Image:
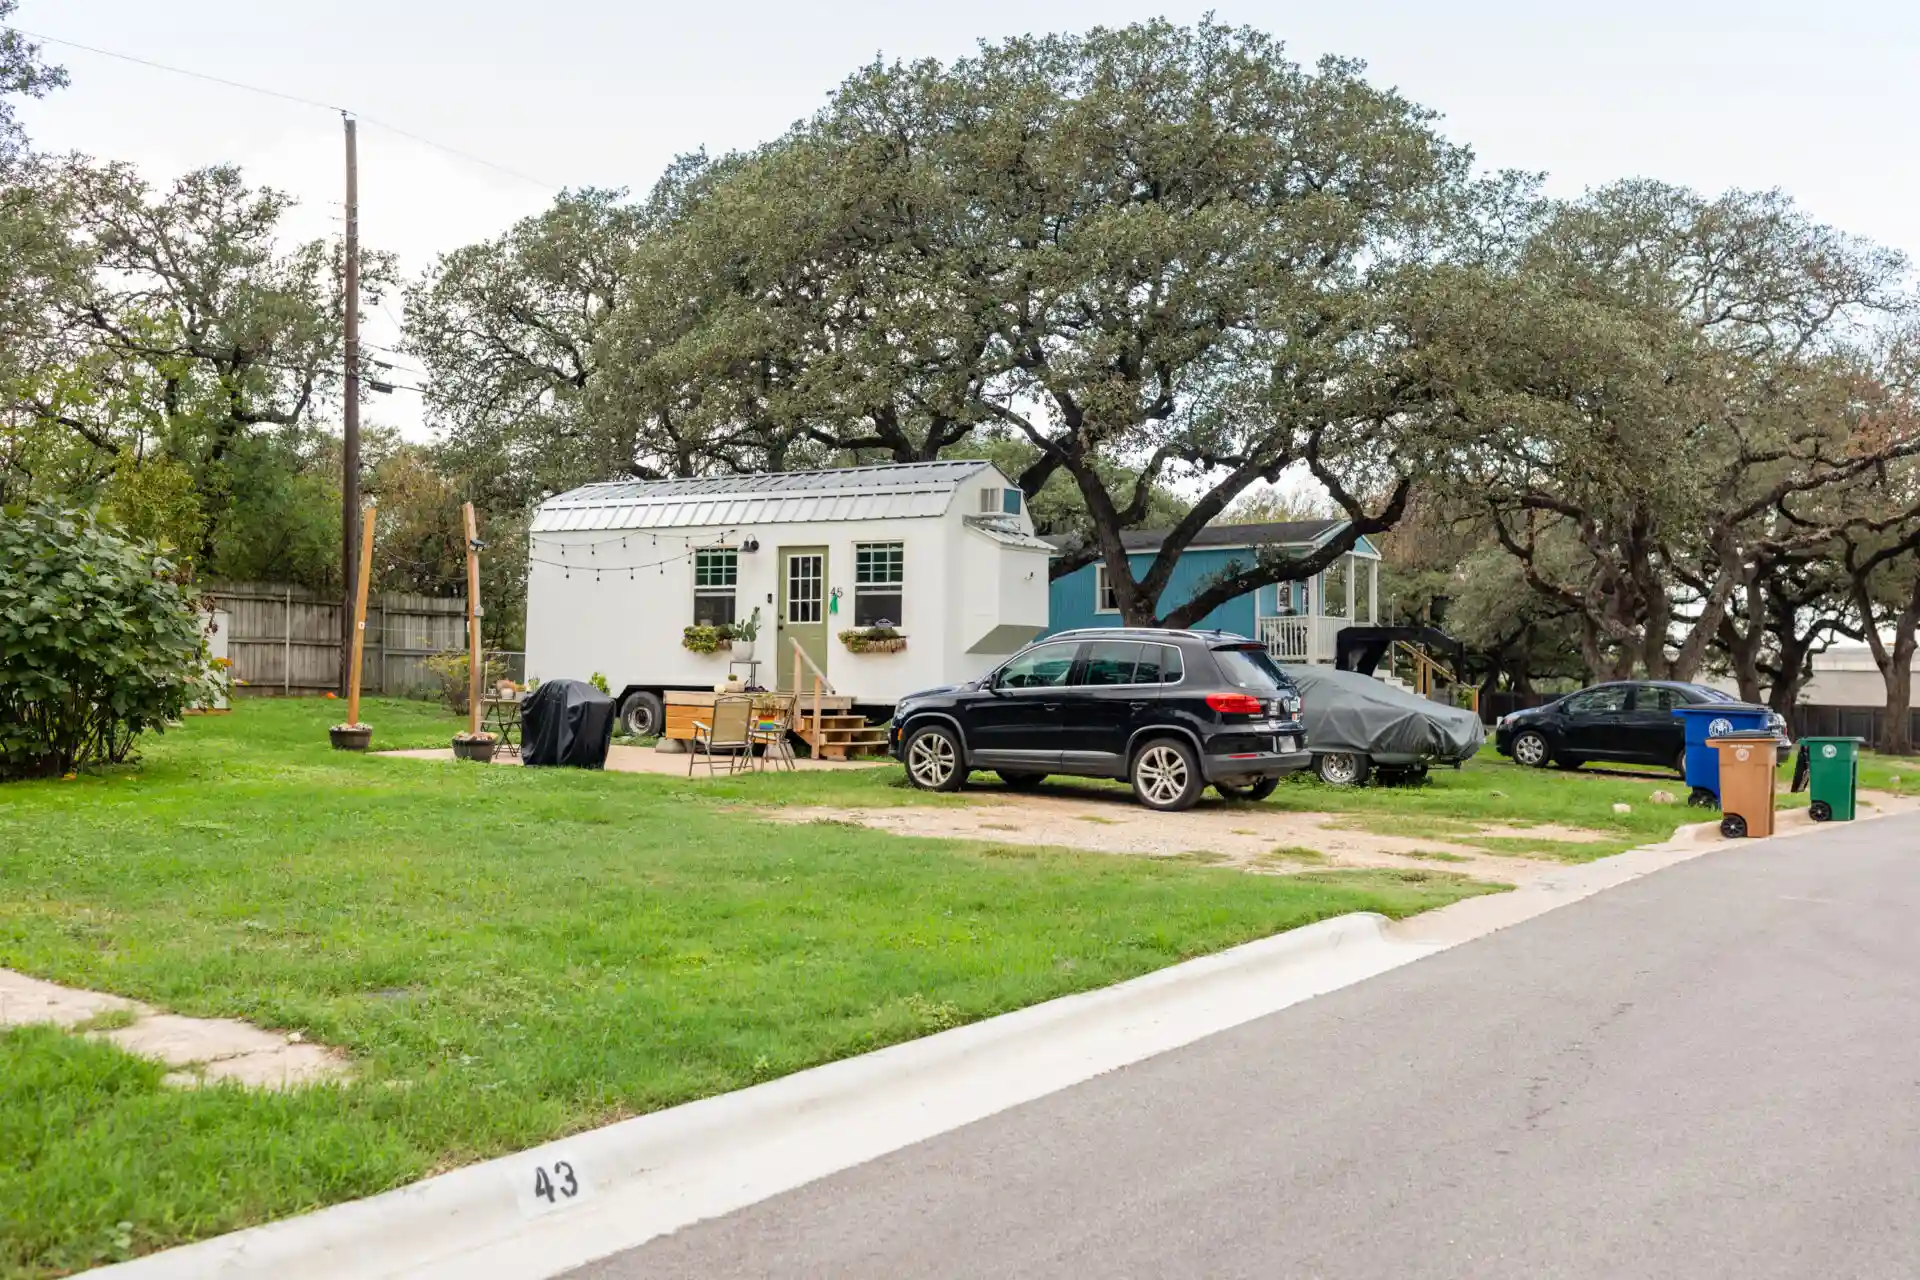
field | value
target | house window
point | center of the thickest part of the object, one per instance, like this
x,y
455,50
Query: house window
x,y
879,572
1104,599
716,572
1000,502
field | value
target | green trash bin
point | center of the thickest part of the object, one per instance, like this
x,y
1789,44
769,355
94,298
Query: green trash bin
x,y
1833,775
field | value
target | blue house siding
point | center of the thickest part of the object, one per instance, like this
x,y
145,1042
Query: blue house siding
x,y
1071,599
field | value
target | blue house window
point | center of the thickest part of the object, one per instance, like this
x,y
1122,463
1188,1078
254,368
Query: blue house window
x,y
1104,599
1010,501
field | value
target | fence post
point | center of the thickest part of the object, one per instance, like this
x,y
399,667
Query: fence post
x,y
286,652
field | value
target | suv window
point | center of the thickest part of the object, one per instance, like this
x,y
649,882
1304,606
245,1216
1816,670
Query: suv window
x,y
1045,667
1599,701
1654,697
1159,663
1113,662
1251,669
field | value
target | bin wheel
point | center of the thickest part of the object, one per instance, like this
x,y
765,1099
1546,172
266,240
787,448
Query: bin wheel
x,y
1733,826
1702,798
1820,811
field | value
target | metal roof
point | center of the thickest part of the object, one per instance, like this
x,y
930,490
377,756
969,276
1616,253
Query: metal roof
x,y
1007,531
890,492
1281,533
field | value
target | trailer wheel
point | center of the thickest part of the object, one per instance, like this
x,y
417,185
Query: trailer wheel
x,y
643,715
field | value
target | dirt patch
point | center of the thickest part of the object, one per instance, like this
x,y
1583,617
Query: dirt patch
x,y
1542,831
1265,841
199,1049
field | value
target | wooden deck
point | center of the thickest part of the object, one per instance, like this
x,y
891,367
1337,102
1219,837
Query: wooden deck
x,y
839,735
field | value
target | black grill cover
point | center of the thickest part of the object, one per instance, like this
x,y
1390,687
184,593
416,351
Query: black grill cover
x,y
566,722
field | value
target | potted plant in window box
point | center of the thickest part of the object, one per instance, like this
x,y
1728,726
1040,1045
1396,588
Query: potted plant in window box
x,y
744,633
477,747
876,639
702,639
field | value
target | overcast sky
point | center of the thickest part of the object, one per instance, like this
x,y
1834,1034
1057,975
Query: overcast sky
x,y
1818,99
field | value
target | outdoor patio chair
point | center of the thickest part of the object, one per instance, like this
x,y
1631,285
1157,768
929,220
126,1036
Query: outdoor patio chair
x,y
727,728
772,722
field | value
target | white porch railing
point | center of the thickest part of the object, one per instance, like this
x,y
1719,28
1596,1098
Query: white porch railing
x,y
1304,638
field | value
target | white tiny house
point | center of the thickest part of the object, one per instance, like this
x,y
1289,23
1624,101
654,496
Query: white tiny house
x,y
942,552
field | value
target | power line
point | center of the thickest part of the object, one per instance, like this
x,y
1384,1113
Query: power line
x,y
287,97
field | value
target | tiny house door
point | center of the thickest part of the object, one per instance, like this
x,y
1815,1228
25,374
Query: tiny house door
x,y
803,612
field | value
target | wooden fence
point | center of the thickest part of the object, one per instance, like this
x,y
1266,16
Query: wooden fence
x,y
286,640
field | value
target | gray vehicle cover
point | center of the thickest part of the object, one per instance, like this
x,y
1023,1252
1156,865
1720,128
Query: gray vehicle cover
x,y
1346,711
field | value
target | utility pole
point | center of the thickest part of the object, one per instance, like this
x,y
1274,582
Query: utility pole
x,y
350,418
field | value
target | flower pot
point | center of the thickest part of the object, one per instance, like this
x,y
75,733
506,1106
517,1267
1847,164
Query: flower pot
x,y
350,737
743,650
481,752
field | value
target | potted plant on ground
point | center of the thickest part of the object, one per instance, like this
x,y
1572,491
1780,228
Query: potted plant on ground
x,y
350,737
744,634
477,747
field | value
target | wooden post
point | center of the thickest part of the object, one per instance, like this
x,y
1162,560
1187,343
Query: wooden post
x,y
475,663
819,726
797,685
360,613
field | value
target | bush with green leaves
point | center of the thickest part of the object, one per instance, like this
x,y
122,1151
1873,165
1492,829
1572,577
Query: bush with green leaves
x,y
99,642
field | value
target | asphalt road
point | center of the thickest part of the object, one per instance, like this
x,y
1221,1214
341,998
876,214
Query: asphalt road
x,y
1713,1071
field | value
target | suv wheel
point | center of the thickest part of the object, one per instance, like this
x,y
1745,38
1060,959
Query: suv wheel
x,y
643,715
933,759
1530,749
1021,781
1256,789
1340,768
1166,775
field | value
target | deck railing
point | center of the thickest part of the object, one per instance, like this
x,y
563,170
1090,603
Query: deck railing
x,y
1300,637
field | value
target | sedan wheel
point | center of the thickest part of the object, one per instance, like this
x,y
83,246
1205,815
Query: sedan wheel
x,y
1166,775
933,759
1530,749
1340,768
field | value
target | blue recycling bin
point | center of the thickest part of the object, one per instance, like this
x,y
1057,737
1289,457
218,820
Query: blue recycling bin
x,y
1712,720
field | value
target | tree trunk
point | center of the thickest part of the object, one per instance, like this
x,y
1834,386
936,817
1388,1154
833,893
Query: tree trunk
x,y
1896,724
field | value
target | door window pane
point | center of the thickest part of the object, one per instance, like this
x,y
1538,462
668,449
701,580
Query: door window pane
x,y
1112,662
1043,668
805,588
1612,697
1653,697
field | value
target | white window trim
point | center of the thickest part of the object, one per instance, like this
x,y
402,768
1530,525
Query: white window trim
x,y
1100,591
710,591
896,588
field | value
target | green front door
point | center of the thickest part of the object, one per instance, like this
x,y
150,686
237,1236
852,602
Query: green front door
x,y
803,612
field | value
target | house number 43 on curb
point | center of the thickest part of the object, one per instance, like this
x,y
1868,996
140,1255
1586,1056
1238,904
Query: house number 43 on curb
x,y
549,1185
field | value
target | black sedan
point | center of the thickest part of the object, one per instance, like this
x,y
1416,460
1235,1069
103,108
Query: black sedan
x,y
1628,721
1168,711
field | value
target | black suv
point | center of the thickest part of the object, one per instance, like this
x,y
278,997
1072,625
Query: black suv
x,y
1169,711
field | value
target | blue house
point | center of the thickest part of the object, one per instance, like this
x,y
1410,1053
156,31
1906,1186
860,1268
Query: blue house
x,y
1297,621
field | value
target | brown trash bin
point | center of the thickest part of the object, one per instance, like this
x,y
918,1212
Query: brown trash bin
x,y
1747,763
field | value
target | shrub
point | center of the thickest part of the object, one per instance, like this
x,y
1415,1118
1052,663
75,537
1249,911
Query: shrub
x,y
451,668
98,642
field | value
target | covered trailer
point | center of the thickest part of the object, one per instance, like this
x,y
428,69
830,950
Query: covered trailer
x,y
941,553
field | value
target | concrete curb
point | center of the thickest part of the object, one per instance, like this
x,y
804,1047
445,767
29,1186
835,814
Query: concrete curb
x,y
568,1202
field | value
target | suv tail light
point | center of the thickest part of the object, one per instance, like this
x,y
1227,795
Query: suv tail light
x,y
1235,704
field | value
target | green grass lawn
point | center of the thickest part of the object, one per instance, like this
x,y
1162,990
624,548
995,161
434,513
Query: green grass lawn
x,y
508,955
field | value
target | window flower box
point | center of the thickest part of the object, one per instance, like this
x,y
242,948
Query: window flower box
x,y
873,640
